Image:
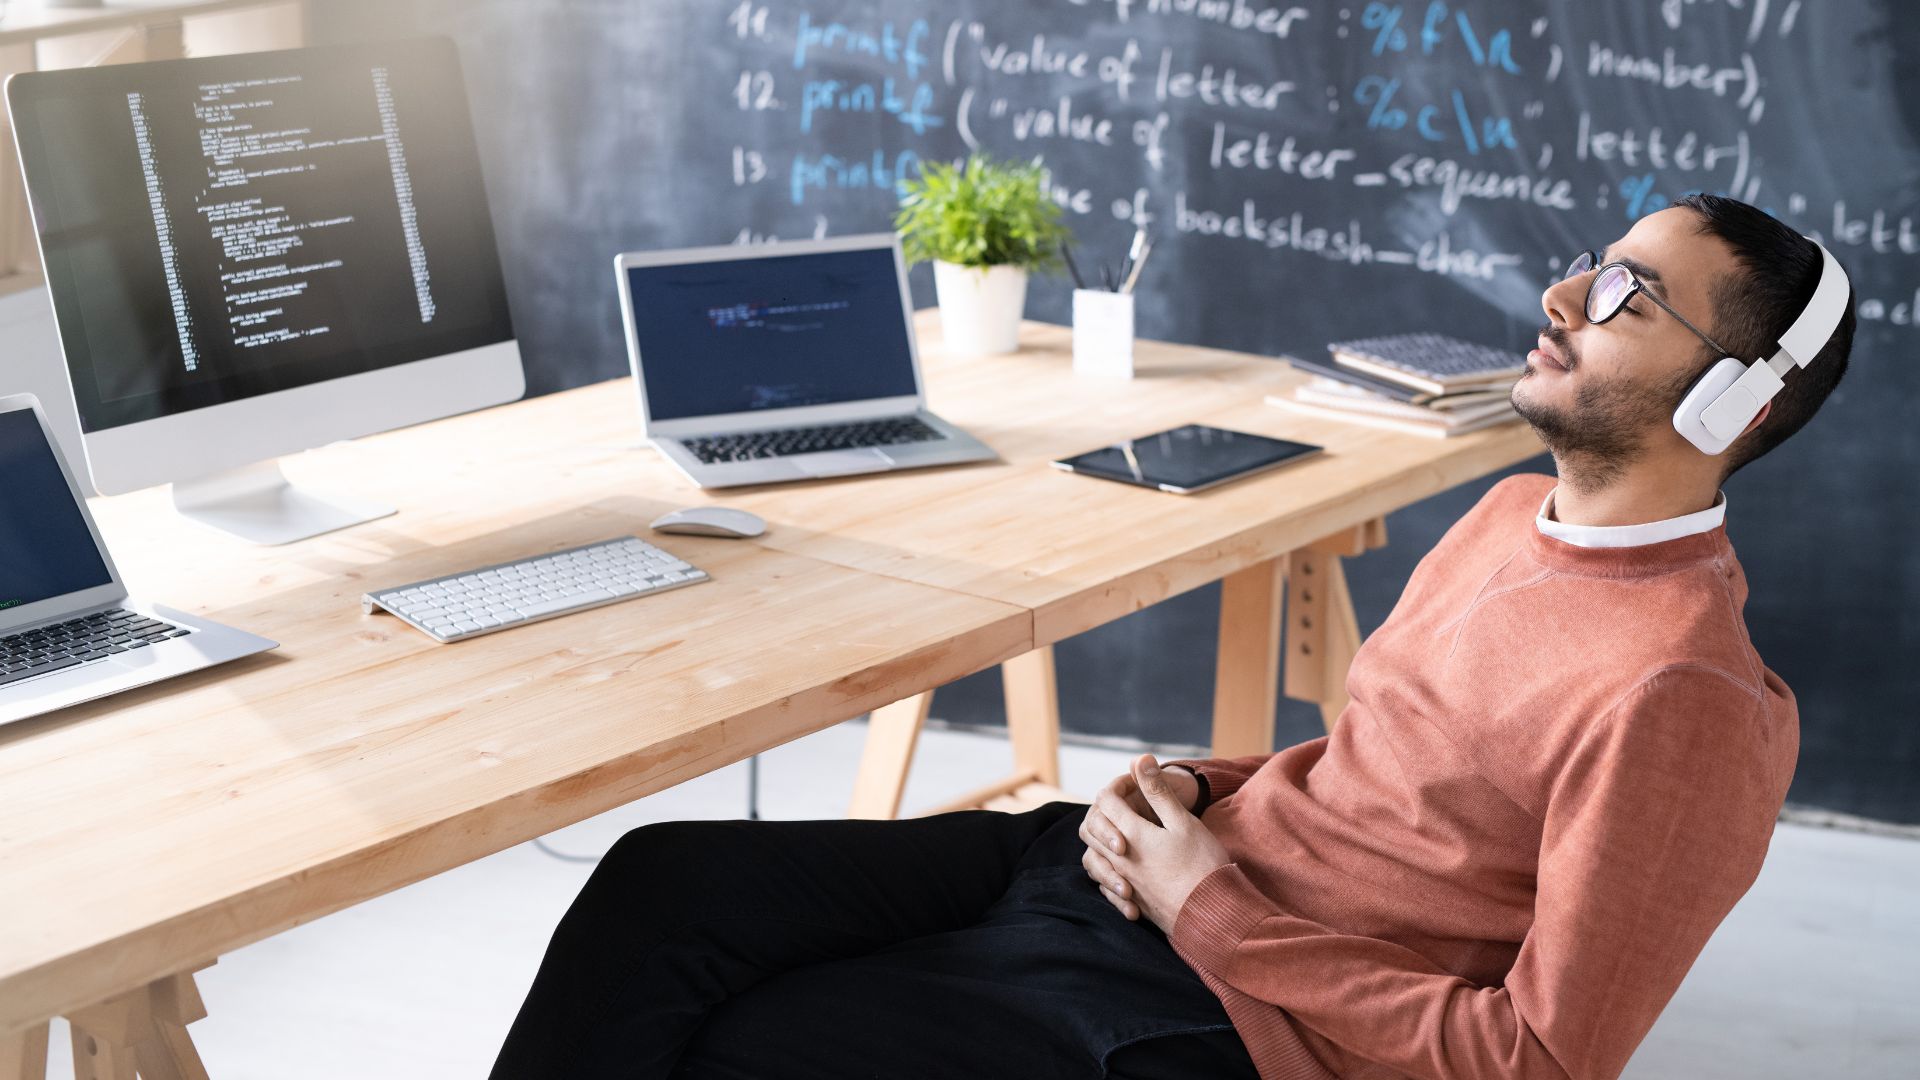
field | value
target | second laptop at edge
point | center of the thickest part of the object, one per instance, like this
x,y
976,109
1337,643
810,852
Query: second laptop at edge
x,y
782,361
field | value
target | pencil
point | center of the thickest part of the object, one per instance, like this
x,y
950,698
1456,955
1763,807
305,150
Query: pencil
x,y
1067,254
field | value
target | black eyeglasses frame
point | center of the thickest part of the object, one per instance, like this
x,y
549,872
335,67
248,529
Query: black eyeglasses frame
x,y
1635,287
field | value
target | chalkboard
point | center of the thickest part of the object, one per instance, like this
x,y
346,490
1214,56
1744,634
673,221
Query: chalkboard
x,y
1311,171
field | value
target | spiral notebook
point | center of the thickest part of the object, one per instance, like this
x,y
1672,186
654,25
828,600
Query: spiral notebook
x,y
1433,363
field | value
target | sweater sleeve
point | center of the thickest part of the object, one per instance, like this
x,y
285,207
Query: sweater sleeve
x,y
1221,777
1654,827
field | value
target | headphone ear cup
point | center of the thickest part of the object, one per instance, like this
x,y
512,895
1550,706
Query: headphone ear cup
x,y
1688,417
1705,374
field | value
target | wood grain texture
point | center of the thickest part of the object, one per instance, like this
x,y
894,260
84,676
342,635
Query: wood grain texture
x,y
1033,714
142,1031
1322,633
23,1055
1082,552
361,756
1246,685
893,731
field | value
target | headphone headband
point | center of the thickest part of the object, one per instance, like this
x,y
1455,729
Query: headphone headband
x,y
1821,317
1726,399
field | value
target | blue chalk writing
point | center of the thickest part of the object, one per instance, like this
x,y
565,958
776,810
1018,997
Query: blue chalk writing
x,y
1640,197
1377,91
834,95
1494,130
1384,21
889,44
830,171
1495,51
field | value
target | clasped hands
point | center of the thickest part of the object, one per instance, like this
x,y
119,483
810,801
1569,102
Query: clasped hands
x,y
1145,848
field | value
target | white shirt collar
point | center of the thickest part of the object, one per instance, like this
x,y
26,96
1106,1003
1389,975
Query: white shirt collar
x,y
1618,536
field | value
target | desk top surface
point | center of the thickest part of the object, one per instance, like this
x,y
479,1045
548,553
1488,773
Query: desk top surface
x,y
1077,550
142,834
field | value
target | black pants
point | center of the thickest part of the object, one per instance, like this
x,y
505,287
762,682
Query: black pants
x,y
966,945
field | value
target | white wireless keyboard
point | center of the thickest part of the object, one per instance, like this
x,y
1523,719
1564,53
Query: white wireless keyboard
x,y
495,597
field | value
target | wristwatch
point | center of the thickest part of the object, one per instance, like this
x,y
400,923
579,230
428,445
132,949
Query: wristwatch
x,y
1206,794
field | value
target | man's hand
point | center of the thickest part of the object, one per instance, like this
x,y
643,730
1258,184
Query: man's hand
x,y
1148,855
1127,788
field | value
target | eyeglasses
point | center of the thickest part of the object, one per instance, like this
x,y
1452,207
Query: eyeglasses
x,y
1614,285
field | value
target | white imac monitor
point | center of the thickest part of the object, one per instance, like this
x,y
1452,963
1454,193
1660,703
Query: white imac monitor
x,y
254,255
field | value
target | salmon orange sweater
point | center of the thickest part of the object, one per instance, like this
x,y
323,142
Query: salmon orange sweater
x,y
1559,770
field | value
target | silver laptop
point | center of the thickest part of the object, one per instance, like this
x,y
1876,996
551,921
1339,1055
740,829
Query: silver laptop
x,y
68,631
782,361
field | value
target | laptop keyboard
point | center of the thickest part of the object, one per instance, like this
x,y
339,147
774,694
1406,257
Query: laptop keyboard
x,y
45,649
786,442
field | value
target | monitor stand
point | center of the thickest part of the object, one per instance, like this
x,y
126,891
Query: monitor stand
x,y
257,504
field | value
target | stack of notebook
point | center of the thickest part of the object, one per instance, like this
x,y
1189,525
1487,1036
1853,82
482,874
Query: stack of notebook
x,y
1421,383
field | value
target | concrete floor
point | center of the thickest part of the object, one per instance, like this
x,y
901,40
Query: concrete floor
x,y
1816,973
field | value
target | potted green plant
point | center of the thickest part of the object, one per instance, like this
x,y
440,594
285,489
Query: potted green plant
x,y
984,224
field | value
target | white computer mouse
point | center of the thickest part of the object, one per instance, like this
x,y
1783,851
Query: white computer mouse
x,y
711,521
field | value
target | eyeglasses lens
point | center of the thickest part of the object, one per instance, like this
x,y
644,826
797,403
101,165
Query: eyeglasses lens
x,y
1581,263
1608,292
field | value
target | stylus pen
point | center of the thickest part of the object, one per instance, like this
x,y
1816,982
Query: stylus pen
x,y
1127,286
1067,254
1134,251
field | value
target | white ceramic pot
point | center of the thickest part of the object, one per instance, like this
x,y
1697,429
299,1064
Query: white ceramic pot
x,y
980,307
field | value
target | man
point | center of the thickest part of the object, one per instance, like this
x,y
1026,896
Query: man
x,y
1559,770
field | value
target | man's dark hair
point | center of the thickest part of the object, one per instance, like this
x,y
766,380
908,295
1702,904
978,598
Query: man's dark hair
x,y
1777,272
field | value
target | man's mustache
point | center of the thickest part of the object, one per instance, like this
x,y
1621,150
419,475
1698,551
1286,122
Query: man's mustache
x,y
1562,344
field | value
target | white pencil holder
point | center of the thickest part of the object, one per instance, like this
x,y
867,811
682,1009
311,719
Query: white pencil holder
x,y
1103,333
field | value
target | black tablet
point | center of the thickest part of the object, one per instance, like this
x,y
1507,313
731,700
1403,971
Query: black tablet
x,y
1187,459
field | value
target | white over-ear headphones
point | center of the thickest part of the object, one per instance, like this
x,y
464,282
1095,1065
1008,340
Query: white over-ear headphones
x,y
1727,398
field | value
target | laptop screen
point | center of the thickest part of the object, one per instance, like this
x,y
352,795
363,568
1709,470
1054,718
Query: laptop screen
x,y
773,332
46,549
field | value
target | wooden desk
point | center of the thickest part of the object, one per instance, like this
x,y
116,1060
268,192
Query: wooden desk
x,y
1080,552
146,835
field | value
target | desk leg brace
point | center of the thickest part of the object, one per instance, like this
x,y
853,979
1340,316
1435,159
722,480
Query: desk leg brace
x,y
1323,633
1033,727
1320,634
1247,670
24,1056
1033,715
142,1032
1323,637
892,733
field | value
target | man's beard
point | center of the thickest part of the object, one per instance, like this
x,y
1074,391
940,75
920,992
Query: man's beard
x,y
1594,440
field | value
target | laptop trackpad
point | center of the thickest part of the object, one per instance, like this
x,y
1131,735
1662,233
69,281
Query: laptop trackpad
x,y
840,462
